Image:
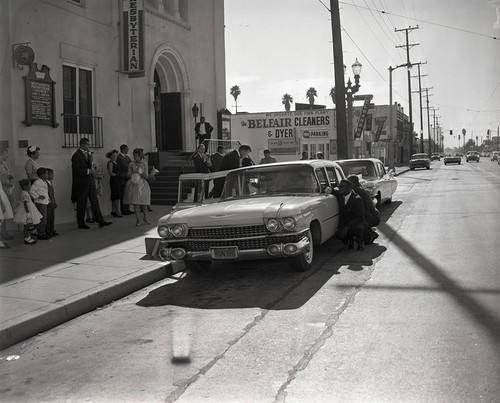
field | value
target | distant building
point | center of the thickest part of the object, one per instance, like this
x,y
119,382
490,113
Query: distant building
x,y
124,71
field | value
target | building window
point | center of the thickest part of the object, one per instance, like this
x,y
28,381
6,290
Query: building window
x,y
78,107
77,2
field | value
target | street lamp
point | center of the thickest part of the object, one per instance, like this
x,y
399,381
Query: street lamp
x,y
350,90
195,111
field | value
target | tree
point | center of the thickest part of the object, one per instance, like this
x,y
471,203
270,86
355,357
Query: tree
x,y
286,100
235,92
311,93
332,94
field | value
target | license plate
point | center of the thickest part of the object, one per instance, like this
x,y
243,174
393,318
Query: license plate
x,y
224,253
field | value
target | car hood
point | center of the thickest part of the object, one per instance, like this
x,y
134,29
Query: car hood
x,y
242,211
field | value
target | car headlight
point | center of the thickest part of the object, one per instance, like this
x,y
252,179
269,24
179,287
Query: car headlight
x,y
289,223
273,225
178,230
163,231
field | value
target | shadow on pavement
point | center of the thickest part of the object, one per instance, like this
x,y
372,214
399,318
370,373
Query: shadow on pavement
x,y
461,295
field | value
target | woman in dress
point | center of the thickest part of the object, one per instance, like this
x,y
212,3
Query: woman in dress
x,y
114,183
137,191
31,164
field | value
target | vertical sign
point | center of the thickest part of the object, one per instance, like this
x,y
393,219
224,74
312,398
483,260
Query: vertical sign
x,y
380,121
133,37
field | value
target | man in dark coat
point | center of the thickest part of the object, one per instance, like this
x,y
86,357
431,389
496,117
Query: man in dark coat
x,y
203,130
372,215
352,221
216,158
84,188
232,160
123,161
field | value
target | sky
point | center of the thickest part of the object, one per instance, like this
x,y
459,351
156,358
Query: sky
x,y
275,47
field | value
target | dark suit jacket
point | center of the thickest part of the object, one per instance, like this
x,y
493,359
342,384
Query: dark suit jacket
x,y
352,212
123,162
372,215
208,129
216,161
230,161
82,180
200,165
247,162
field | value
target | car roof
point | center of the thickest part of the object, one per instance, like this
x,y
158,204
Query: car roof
x,y
358,159
315,163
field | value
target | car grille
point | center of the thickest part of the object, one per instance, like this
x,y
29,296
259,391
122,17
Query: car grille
x,y
242,244
227,232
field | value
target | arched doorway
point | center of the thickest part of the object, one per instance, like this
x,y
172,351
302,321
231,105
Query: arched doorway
x,y
169,89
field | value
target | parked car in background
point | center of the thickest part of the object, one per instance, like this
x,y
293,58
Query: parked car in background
x,y
472,156
280,210
374,177
420,161
435,156
494,155
452,159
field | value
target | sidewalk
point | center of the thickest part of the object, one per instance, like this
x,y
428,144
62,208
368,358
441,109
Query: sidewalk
x,y
44,285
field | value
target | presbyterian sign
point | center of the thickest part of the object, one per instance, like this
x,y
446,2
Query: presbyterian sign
x,y
133,37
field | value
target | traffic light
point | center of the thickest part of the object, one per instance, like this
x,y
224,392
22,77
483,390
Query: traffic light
x,y
451,132
488,134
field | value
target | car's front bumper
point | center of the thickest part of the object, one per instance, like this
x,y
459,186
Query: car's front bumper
x,y
167,250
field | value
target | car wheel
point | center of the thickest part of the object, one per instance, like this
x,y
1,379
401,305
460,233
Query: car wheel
x,y
412,169
198,266
445,163
459,162
427,167
303,262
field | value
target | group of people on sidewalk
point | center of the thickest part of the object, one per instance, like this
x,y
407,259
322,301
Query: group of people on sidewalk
x,y
35,206
35,209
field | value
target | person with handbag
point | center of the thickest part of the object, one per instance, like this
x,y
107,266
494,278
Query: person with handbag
x,y
27,213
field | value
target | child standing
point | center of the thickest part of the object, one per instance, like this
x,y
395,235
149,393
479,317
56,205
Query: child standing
x,y
5,214
26,213
51,214
40,193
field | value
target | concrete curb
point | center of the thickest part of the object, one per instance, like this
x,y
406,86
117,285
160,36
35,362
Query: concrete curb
x,y
55,314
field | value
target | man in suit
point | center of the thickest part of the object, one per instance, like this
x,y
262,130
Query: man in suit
x,y
203,130
84,188
123,160
232,160
352,221
216,158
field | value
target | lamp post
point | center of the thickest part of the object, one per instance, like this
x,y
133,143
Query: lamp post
x,y
350,90
391,123
195,111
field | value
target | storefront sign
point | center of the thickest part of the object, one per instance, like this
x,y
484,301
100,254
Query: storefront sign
x,y
40,97
362,119
133,37
380,121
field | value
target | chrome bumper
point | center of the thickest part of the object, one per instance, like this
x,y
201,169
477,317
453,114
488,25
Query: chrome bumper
x,y
157,247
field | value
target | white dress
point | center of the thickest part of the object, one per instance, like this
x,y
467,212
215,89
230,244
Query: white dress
x,y
20,214
6,203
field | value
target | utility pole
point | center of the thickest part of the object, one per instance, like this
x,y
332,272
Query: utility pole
x,y
428,119
340,100
420,97
434,131
407,46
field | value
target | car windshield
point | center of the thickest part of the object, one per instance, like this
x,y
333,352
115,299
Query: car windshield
x,y
270,181
416,156
363,168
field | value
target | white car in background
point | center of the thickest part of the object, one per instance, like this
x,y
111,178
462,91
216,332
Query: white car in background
x,y
374,177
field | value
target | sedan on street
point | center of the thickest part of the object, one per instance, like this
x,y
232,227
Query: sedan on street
x,y
374,176
420,161
472,156
280,210
494,155
435,157
452,159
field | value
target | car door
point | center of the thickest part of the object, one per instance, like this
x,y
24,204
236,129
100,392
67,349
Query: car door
x,y
328,212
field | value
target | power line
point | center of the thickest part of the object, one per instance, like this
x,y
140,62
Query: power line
x,y
429,22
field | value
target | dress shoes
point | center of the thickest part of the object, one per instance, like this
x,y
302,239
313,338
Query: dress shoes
x,y
116,215
104,224
83,226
